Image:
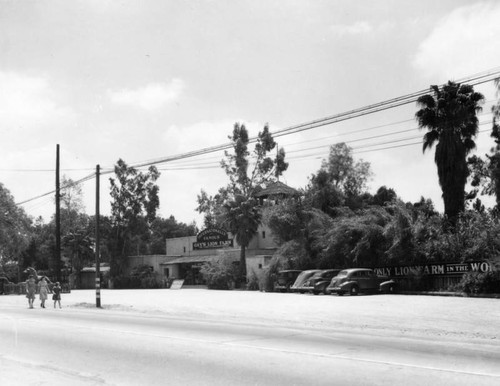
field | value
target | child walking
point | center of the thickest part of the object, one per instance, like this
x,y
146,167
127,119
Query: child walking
x,y
56,297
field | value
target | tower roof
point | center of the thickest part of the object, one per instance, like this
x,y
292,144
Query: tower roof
x,y
278,189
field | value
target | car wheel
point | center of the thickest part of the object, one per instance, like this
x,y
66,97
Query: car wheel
x,y
326,292
391,289
316,292
340,293
354,290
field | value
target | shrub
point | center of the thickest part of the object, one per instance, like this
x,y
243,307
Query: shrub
x,y
126,282
253,282
220,273
418,281
479,282
152,281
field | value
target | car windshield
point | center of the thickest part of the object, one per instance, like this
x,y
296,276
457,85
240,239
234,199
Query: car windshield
x,y
342,274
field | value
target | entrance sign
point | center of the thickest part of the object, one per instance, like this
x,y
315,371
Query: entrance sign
x,y
212,238
177,284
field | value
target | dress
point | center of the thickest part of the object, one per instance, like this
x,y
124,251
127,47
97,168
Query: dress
x,y
30,288
57,293
44,290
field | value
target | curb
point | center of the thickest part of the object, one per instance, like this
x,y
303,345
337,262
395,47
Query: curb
x,y
451,294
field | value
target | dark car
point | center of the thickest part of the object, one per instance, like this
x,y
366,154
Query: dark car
x,y
301,279
318,282
285,280
356,280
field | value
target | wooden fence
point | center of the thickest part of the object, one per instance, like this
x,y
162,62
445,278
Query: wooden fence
x,y
20,288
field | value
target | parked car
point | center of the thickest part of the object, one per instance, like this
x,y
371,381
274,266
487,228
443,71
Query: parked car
x,y
356,280
285,280
318,282
301,279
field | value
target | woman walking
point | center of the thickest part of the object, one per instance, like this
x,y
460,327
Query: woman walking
x,y
44,290
30,290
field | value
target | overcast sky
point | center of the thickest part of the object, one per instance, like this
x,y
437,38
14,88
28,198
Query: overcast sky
x,y
142,80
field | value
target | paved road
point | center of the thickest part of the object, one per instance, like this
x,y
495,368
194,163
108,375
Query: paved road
x,y
103,347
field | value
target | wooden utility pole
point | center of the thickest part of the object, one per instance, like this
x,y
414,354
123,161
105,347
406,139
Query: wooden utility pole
x,y
97,240
57,258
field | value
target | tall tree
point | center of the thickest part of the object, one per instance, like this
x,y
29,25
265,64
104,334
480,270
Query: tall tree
x,y
133,208
449,114
162,229
486,172
248,173
72,207
14,228
340,181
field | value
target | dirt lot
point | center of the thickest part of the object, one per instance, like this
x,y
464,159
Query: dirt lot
x,y
472,320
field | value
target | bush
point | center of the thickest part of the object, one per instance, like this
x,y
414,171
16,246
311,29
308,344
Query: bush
x,y
135,282
126,282
220,273
418,281
253,282
480,283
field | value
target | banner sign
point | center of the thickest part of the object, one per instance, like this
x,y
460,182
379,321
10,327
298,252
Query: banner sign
x,y
211,238
435,269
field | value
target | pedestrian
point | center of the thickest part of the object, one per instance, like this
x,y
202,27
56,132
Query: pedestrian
x,y
30,290
44,290
57,294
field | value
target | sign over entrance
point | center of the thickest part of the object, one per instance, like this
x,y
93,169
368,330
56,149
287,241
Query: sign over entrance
x,y
212,238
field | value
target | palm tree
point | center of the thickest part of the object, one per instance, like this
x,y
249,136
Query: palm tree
x,y
450,116
243,218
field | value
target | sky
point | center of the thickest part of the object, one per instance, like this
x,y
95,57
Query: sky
x,y
148,80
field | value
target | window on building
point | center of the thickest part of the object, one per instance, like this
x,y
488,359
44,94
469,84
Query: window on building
x,y
184,249
260,266
263,234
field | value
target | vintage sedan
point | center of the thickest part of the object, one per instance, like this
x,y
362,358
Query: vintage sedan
x,y
301,279
356,280
285,280
318,282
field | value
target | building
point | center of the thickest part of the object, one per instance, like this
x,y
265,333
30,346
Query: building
x,y
185,255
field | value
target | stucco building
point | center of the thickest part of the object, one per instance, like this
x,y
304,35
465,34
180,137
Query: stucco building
x,y
185,255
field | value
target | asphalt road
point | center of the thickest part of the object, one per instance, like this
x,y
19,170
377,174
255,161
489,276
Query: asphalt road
x,y
106,347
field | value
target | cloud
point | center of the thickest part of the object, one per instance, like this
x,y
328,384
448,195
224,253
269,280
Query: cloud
x,y
29,102
358,28
150,97
463,43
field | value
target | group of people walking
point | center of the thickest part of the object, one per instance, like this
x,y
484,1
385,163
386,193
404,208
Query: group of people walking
x,y
44,291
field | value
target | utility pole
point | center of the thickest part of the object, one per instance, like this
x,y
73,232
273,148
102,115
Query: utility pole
x,y
97,240
57,258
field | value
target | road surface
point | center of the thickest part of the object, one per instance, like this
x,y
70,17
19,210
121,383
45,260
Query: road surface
x,y
86,346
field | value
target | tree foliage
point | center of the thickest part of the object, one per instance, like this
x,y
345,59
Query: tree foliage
x,y
235,206
450,116
340,181
486,172
164,228
15,228
133,208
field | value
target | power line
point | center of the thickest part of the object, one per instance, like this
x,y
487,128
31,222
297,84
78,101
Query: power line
x,y
80,181
479,78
